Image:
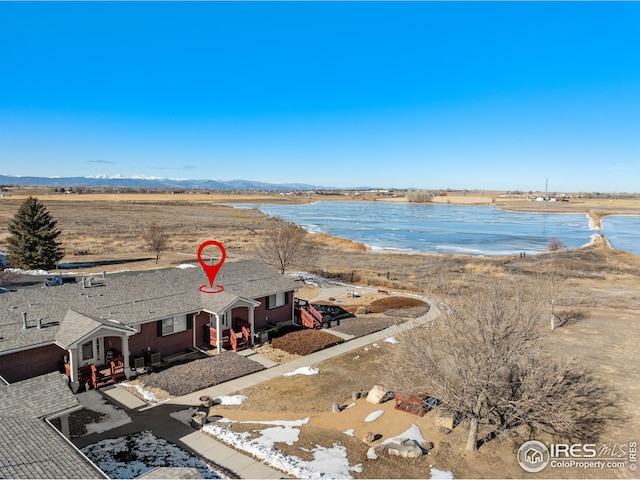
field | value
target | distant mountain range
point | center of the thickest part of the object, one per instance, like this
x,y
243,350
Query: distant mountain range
x,y
153,182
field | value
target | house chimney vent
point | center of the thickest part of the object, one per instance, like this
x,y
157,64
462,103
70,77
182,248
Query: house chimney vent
x,y
24,320
39,324
104,274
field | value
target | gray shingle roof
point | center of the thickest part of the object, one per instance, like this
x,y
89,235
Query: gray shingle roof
x,y
129,299
29,448
37,397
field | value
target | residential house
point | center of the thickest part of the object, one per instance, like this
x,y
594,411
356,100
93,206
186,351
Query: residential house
x,y
124,321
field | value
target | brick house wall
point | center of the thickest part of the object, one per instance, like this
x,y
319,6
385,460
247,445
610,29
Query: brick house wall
x,y
18,366
165,345
276,315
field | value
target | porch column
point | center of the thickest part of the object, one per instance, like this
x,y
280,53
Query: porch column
x,y
218,333
125,354
251,324
73,367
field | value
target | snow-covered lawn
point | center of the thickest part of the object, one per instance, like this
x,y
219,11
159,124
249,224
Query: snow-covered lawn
x,y
328,462
136,454
230,399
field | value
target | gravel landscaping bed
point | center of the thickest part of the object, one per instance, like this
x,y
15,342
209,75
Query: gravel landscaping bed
x,y
199,374
305,342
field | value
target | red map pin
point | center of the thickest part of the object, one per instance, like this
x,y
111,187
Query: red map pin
x,y
211,270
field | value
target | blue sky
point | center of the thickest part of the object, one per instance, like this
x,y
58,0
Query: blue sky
x,y
426,95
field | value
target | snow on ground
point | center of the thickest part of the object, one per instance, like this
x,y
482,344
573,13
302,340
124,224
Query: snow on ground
x,y
440,474
303,371
185,265
373,416
149,397
391,340
351,432
112,417
134,455
230,399
350,405
412,433
27,272
315,280
375,345
327,463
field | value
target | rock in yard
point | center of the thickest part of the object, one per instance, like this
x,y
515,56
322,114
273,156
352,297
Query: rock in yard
x,y
369,437
376,394
404,447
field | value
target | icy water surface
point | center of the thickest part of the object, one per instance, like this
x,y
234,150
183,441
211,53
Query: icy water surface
x,y
473,230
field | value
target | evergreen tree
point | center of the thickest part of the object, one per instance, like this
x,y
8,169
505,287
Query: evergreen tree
x,y
33,242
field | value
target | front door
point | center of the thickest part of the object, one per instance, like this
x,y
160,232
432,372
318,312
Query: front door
x,y
92,352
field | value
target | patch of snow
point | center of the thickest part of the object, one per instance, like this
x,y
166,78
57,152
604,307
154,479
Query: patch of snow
x,y
356,357
351,432
185,265
134,455
350,405
271,435
27,272
112,417
412,433
366,349
231,399
303,371
371,454
315,280
327,463
150,397
441,474
281,423
391,340
373,416
376,345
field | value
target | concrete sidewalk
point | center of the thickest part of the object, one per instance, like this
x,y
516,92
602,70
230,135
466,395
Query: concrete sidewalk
x,y
157,418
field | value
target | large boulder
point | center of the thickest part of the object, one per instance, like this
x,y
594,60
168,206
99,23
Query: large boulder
x,y
376,394
404,447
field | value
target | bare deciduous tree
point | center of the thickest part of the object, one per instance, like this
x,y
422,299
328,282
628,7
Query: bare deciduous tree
x,y
481,359
283,246
157,239
556,245
8,277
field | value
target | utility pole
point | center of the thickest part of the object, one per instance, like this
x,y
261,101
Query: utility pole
x,y
546,189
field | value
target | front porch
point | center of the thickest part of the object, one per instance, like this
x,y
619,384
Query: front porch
x,y
236,338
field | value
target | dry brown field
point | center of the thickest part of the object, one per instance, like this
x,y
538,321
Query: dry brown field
x,y
603,284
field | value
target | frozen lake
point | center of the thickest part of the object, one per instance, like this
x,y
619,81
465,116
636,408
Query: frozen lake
x,y
473,230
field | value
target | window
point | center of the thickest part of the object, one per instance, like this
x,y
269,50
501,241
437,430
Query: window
x,y
87,350
277,300
224,320
174,324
